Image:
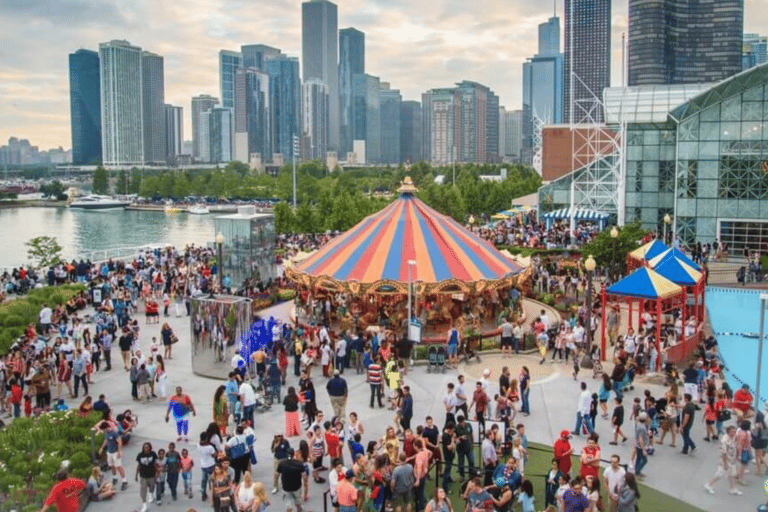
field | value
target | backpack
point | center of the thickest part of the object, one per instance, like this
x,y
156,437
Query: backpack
x,y
238,450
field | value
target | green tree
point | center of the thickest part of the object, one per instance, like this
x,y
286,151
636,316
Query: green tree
x,y
284,219
611,252
134,187
238,167
44,250
54,190
100,184
122,182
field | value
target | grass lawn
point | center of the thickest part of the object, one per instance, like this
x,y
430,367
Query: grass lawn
x,y
539,460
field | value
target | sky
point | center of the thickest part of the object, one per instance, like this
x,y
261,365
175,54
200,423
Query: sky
x,y
415,46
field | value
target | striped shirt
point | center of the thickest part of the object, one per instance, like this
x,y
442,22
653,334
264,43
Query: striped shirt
x,y
374,373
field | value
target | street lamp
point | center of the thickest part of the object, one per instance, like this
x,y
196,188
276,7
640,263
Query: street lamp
x,y
408,323
763,303
614,258
219,244
589,265
667,222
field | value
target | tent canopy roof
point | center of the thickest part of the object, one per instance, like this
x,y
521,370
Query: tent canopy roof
x,y
645,283
678,271
649,250
579,214
674,252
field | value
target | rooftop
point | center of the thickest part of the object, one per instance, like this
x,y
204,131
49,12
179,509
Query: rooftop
x,y
647,104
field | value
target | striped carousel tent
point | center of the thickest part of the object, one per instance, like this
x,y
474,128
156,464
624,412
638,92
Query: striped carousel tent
x,y
374,255
579,215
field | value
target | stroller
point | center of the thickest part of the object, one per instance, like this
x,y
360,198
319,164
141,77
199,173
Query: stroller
x,y
441,359
432,356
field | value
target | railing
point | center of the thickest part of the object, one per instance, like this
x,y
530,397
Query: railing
x,y
114,253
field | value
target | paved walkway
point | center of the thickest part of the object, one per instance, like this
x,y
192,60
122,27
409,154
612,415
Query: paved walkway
x,y
553,402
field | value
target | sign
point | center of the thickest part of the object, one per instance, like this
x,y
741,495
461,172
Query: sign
x,y
414,331
97,295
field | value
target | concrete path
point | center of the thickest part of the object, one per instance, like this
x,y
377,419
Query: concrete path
x,y
553,403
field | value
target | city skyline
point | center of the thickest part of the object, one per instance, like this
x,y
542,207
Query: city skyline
x,y
413,47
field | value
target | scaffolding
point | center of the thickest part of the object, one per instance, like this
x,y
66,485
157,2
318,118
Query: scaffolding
x,y
538,141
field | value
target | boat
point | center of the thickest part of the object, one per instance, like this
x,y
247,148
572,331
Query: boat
x,y
198,209
171,209
97,202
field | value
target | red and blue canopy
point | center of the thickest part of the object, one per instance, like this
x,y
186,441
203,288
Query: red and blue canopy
x,y
379,247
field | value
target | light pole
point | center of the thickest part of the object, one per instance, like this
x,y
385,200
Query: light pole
x,y
667,222
763,303
295,156
589,265
219,244
616,263
408,323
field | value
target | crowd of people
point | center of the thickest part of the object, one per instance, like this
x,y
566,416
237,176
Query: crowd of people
x,y
527,231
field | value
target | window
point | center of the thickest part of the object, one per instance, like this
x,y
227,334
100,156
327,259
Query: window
x,y
639,177
666,176
688,176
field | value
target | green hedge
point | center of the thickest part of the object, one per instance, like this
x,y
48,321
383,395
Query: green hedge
x,y
527,251
32,451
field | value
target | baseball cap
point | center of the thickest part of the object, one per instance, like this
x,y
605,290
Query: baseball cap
x,y
565,433
377,476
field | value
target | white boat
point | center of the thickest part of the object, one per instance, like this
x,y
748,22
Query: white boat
x,y
96,202
198,209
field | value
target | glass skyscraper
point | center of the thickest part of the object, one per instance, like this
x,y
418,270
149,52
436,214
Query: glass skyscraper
x,y
588,43
410,132
256,55
351,62
200,104
229,62
252,115
366,114
314,119
684,42
390,101
285,103
153,99
85,107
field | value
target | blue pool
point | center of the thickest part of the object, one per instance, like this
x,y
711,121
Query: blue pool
x,y
735,311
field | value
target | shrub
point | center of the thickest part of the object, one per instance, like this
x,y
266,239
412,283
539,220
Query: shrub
x,y
286,294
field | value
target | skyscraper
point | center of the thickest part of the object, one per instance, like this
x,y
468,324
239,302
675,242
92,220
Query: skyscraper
x,y
473,114
351,62
252,115
492,140
514,134
684,41
174,132
543,84
320,40
217,125
410,132
200,104
256,55
229,62
390,101
366,115
588,43
153,99
285,103
755,50
122,127
441,122
85,107
314,119
503,143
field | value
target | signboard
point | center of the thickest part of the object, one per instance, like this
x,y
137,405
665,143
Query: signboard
x,y
414,331
97,295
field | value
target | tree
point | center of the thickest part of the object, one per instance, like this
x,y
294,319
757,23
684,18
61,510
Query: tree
x,y
100,183
238,167
134,187
54,190
44,250
284,220
610,252
122,182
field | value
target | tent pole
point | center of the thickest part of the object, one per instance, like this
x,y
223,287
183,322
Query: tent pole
x,y
658,335
603,301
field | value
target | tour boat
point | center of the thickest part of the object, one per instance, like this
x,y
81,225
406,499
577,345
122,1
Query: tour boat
x,y
198,209
97,202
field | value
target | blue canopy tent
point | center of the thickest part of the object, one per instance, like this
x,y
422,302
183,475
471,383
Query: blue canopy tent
x,y
674,252
579,214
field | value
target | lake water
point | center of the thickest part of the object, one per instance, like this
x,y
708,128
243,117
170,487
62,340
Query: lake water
x,y
79,231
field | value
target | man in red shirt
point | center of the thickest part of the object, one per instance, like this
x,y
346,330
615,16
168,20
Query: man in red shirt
x,y
742,401
590,458
480,402
563,452
65,494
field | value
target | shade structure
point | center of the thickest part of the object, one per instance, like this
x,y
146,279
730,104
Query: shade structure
x,y
649,250
674,252
579,215
678,271
374,254
645,283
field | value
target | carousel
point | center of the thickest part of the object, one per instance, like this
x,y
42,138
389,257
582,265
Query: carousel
x,y
408,249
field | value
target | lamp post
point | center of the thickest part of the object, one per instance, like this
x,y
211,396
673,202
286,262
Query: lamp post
x,y
295,157
763,303
589,265
614,266
408,323
219,244
667,222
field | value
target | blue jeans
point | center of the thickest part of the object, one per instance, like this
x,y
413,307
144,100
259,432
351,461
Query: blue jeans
x,y
587,421
470,455
449,456
205,472
173,481
641,459
526,405
248,413
351,508
687,441
617,390
516,344
340,364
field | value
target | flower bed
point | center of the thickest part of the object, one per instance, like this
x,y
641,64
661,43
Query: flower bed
x,y
33,449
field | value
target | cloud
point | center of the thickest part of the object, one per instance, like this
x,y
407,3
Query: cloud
x,y
413,45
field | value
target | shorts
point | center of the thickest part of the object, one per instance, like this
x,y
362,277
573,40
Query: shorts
x,y
113,460
452,350
402,499
317,463
730,472
710,422
506,341
292,499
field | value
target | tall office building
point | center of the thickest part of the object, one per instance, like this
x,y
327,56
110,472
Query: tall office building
x,y
754,51
410,132
543,84
390,102
252,115
153,99
285,103
85,107
471,145
216,125
200,104
684,41
588,43
492,137
229,62
174,132
514,134
366,115
441,123
122,127
256,55
319,19
314,120
351,62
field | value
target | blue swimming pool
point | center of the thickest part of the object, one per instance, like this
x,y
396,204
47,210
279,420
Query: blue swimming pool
x,y
733,311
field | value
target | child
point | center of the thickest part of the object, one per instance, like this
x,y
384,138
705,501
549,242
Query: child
x,y
61,406
160,475
525,498
519,453
27,406
16,396
617,420
561,490
636,409
172,467
593,410
710,416
186,471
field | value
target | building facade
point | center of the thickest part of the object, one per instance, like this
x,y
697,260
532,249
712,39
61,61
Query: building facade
x,y
754,51
441,124
229,63
252,115
219,128
121,88
587,59
351,63
314,119
256,55
684,42
174,133
85,107
513,131
366,115
410,132
285,104
320,42
390,103
200,104
153,99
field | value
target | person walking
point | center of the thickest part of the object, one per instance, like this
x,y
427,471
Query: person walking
x,y
375,381
172,469
728,464
280,448
80,372
582,413
207,457
642,442
181,405
686,422
613,480
146,470
464,445
113,445
65,494
291,473
291,405
337,391
406,410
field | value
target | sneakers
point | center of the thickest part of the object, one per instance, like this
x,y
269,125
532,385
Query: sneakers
x,y
124,486
144,507
274,490
709,489
735,492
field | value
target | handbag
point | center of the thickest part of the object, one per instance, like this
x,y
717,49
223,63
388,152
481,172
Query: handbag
x,y
586,361
745,456
723,415
174,339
